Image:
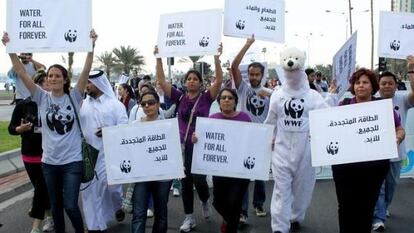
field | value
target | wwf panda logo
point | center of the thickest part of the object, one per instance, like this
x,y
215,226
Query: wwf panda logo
x,y
240,24
332,148
60,120
294,108
395,45
249,162
255,104
204,41
125,166
71,36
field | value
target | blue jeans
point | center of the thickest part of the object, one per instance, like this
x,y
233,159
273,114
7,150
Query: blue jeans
x,y
159,191
259,196
63,182
387,192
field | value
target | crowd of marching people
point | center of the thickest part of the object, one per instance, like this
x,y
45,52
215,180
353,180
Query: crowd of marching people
x,y
53,119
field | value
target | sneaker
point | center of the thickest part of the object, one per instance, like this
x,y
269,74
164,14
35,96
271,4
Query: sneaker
x,y
205,209
295,227
388,214
36,230
188,224
243,219
120,215
150,213
260,211
48,224
176,192
223,227
378,227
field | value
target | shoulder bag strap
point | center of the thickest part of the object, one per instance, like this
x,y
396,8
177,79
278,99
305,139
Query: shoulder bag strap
x,y
76,116
191,118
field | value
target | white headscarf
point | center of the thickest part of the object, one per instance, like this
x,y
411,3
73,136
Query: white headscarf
x,y
99,79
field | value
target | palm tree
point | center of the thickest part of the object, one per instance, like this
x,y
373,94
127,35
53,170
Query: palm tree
x,y
70,63
128,58
108,61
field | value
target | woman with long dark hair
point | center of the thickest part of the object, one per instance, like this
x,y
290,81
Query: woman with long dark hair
x,y
127,96
191,104
62,154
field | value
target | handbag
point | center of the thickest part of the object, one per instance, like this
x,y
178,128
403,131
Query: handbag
x,y
188,128
89,153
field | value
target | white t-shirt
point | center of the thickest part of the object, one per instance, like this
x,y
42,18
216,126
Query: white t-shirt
x,y
250,103
61,140
401,106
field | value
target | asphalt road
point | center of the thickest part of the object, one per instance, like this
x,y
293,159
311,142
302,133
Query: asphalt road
x,y
321,216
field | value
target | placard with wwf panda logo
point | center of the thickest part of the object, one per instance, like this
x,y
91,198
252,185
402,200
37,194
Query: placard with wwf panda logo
x,y
143,151
263,18
195,33
396,35
49,26
232,149
353,133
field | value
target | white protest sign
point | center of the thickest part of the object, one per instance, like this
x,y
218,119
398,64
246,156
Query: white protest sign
x,y
396,35
143,151
244,71
263,18
195,33
353,133
49,25
344,65
231,149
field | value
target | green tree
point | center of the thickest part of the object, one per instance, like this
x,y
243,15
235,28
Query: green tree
x,y
70,64
108,62
194,60
128,58
326,70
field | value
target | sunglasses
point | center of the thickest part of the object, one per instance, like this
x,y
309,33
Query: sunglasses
x,y
148,102
224,97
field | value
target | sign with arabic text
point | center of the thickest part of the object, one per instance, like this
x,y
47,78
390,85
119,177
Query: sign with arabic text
x,y
49,25
263,18
224,148
396,35
353,133
143,151
344,65
195,33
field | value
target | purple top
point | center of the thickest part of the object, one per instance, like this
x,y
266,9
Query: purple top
x,y
397,119
184,111
242,116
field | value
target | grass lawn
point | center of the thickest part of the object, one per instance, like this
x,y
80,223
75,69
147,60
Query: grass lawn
x,y
7,141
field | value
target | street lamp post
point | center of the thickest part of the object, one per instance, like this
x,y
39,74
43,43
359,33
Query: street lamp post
x,y
346,21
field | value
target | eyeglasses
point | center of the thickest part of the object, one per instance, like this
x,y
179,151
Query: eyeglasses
x,y
148,102
224,97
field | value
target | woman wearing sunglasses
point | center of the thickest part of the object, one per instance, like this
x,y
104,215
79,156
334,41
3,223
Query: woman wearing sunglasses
x,y
150,102
191,104
228,192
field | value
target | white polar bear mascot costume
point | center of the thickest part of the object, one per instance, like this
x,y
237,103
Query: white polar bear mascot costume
x,y
291,160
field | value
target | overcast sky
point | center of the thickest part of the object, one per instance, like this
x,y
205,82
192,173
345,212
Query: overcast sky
x,y
135,23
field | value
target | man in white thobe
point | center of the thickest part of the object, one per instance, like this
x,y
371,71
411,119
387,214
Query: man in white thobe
x,y
100,201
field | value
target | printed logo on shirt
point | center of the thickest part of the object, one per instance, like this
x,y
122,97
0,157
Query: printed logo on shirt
x,y
59,119
294,109
255,104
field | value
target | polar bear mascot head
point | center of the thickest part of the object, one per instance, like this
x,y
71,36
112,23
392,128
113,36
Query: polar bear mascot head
x,y
293,62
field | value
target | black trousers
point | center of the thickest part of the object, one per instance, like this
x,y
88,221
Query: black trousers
x,y
199,182
40,202
357,189
228,196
